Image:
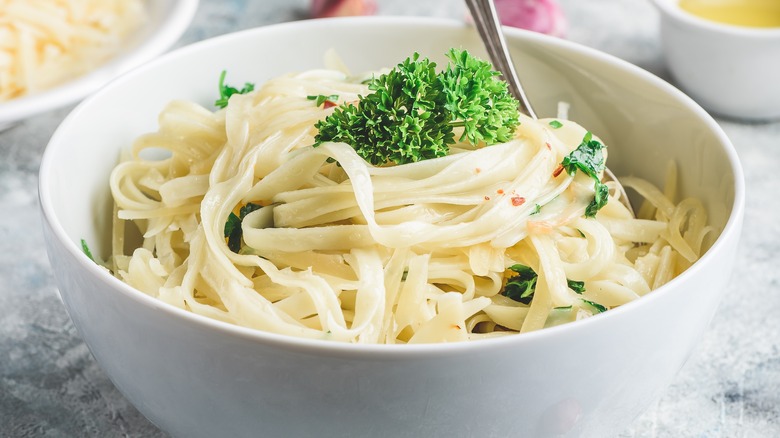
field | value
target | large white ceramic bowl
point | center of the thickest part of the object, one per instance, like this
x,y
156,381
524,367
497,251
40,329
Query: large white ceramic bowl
x,y
167,20
730,70
196,377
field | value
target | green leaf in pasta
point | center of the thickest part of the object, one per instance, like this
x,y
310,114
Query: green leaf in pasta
x,y
521,287
233,230
588,158
576,286
225,91
322,100
593,307
85,249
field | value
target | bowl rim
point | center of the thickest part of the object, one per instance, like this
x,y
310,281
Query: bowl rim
x,y
317,346
672,9
171,28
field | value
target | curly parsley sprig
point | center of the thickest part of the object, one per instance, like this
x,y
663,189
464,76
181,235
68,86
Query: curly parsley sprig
x,y
399,122
478,100
412,110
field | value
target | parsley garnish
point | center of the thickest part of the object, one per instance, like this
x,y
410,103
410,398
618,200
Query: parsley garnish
x,y
412,110
600,198
556,124
589,158
537,209
521,287
595,307
576,286
478,100
233,230
85,249
225,91
321,98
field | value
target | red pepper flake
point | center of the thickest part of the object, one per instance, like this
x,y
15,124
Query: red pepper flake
x,y
518,201
558,170
329,104
549,147
500,191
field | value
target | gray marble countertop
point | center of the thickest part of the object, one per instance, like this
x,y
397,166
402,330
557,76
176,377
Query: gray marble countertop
x,y
51,386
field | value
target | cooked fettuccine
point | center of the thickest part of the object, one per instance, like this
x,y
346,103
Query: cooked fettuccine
x,y
332,247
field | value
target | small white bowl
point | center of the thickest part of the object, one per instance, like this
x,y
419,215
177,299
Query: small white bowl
x,y
167,20
197,377
730,70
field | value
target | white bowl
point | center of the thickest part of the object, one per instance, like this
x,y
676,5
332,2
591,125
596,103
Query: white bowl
x,y
730,70
167,21
193,376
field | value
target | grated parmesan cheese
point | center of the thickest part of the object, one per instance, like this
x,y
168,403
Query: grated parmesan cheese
x,y
46,42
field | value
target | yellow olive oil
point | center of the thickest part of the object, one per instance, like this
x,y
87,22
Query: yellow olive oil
x,y
750,13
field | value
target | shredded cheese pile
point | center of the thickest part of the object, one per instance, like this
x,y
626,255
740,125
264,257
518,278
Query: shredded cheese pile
x,y
46,42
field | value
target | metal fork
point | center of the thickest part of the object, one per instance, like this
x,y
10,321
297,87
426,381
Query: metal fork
x,y
489,28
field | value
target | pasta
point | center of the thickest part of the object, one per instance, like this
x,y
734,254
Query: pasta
x,y
46,42
338,249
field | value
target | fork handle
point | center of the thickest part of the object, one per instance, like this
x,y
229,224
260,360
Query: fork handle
x,y
489,28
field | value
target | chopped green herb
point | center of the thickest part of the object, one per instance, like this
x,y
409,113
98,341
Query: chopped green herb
x,y
232,227
412,110
233,230
225,91
555,124
248,208
576,286
600,198
560,315
521,287
537,209
594,307
321,99
85,249
589,159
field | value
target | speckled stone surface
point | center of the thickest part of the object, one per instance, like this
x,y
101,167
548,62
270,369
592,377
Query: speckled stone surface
x,y
51,386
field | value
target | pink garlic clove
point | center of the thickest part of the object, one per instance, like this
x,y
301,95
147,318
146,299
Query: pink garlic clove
x,y
341,8
544,16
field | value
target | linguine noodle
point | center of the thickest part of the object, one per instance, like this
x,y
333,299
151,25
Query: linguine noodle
x,y
343,250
